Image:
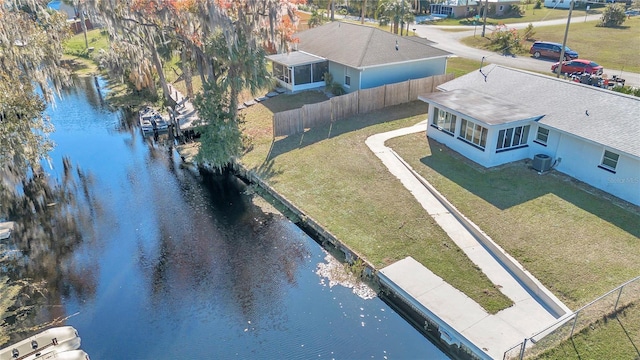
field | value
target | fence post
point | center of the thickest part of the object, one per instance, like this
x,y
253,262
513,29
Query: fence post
x,y
575,320
615,308
524,346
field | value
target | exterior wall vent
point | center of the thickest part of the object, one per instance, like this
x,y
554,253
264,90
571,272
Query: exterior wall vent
x,y
541,162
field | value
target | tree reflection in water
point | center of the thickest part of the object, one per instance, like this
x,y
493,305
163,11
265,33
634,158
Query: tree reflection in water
x,y
221,253
37,264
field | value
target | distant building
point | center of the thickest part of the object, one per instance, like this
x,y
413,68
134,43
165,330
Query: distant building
x,y
463,8
357,56
73,17
60,6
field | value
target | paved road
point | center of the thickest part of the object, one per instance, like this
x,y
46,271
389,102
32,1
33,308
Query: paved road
x,y
449,41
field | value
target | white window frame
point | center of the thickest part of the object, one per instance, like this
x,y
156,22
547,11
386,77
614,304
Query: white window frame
x,y
609,160
510,138
444,120
473,133
541,137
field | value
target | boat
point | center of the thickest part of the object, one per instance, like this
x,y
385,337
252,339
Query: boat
x,y
49,342
66,355
159,123
145,117
5,229
151,120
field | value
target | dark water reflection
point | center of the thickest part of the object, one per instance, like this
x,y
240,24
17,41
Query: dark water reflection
x,y
167,264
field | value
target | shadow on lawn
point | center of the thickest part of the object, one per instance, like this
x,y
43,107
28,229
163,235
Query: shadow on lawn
x,y
361,121
516,183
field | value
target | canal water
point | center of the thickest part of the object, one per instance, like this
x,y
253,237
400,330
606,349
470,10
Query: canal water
x,y
169,264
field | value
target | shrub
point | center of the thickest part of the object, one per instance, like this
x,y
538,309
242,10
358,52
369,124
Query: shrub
x,y
516,10
328,80
627,90
506,40
538,4
529,32
612,16
337,89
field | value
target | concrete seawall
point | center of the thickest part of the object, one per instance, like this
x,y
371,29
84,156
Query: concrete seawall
x,y
424,321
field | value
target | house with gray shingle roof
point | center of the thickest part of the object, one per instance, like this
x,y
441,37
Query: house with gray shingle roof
x,y
500,115
358,57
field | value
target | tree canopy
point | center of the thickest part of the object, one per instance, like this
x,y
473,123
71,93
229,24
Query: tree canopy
x,y
224,41
30,74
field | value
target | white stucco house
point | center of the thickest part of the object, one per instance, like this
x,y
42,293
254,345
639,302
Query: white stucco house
x,y
358,57
462,8
499,115
579,4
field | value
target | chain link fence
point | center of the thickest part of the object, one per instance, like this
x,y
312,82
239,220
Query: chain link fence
x,y
595,314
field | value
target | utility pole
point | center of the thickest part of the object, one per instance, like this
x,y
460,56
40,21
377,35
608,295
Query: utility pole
x,y
364,8
402,19
486,10
564,42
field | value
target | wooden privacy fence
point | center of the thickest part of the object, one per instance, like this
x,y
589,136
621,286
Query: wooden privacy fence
x,y
362,101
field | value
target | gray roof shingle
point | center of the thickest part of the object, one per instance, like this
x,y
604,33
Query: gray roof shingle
x,y
361,46
482,107
602,116
295,58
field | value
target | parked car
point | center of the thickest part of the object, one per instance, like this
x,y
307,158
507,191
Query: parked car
x,y
579,66
551,50
632,12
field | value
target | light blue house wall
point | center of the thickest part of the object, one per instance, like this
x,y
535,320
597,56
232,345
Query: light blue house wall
x,y
452,141
340,73
571,155
581,159
375,76
393,73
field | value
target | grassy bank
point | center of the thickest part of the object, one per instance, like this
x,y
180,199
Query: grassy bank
x,y
331,174
575,239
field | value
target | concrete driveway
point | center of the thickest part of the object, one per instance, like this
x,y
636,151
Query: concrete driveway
x,y
450,41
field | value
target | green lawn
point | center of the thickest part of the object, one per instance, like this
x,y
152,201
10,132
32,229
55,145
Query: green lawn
x,y
613,48
576,240
332,176
76,45
460,66
607,338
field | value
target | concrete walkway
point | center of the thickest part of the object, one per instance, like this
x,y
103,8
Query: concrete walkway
x,y
535,308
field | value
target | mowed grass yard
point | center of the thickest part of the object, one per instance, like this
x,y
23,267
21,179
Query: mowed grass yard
x,y
613,48
607,338
333,177
578,241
